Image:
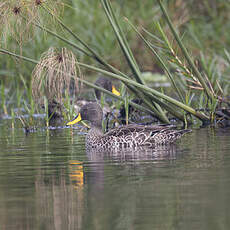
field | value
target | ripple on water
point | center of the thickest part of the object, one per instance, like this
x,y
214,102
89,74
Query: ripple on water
x,y
48,179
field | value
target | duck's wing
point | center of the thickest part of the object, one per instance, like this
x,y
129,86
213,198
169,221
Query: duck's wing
x,y
166,136
134,128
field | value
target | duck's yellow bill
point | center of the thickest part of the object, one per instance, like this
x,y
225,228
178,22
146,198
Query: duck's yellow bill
x,y
75,120
114,91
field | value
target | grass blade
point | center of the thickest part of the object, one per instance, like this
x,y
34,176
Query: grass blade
x,y
185,52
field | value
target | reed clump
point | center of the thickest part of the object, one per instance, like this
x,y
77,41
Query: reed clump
x,y
198,89
56,73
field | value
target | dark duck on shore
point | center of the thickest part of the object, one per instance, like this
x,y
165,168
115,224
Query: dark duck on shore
x,y
125,136
106,84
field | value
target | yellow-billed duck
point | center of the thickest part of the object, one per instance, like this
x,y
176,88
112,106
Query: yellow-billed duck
x,y
55,109
125,136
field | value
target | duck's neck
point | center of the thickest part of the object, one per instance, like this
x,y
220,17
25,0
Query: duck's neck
x,y
96,131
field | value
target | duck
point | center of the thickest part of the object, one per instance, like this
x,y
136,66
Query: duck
x,y
55,109
127,136
107,84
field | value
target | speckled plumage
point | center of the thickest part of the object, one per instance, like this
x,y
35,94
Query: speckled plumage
x,y
132,135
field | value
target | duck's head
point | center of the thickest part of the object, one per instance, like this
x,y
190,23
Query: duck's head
x,y
90,112
106,84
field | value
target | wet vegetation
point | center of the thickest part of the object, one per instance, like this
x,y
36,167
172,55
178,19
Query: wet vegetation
x,y
52,50
170,62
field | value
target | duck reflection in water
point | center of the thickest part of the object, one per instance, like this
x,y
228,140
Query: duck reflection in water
x,y
136,154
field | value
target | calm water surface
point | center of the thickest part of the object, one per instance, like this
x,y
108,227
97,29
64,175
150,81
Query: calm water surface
x,y
49,181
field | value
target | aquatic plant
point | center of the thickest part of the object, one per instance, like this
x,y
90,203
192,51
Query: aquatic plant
x,y
17,18
196,88
3,99
51,76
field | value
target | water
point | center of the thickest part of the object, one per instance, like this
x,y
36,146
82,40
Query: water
x,y
49,181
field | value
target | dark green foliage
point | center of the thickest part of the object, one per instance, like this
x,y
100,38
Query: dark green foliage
x,y
104,39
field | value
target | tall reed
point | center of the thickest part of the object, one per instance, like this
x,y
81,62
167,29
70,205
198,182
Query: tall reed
x,y
185,81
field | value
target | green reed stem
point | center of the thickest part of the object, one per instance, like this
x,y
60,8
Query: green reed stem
x,y
159,114
46,112
153,91
12,118
170,77
83,81
188,109
3,98
122,40
128,53
18,96
175,112
126,110
100,59
95,55
185,52
61,38
91,52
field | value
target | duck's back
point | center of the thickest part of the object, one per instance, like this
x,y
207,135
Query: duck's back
x,y
135,135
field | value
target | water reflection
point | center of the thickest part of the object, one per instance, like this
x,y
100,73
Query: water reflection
x,y
76,173
116,182
137,154
49,181
59,205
